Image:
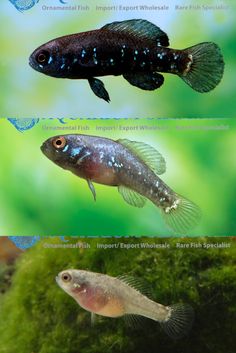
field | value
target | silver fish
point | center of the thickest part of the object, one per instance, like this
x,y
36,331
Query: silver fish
x,y
116,297
131,166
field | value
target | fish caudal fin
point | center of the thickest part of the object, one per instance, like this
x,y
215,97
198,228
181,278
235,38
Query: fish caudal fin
x,y
179,321
205,68
182,216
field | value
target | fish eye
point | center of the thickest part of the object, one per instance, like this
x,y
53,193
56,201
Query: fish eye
x,y
66,277
59,142
43,57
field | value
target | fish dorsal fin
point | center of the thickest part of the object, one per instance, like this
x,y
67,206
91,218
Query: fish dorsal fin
x,y
138,284
132,197
141,29
149,155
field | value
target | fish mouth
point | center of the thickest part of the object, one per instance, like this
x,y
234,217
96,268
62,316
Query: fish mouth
x,y
46,150
31,62
43,147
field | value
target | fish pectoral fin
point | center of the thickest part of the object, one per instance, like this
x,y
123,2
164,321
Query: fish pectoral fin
x,y
149,155
92,188
141,29
98,88
145,80
131,197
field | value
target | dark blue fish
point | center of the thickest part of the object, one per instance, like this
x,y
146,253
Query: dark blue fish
x,y
136,49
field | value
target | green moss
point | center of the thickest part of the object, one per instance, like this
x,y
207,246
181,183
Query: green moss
x,y
36,316
5,276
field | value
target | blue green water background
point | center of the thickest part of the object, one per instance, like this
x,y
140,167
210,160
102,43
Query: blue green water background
x,y
26,93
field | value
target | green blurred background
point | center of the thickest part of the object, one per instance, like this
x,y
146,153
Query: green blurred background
x,y
39,198
26,93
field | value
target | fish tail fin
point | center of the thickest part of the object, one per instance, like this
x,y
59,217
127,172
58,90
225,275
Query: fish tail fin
x,y
182,216
205,68
179,321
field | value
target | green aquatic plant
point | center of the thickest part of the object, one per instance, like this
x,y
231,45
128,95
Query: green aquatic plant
x,y
36,316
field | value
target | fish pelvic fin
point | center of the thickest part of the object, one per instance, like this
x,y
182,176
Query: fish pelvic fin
x,y
179,321
93,319
98,88
205,68
182,216
92,189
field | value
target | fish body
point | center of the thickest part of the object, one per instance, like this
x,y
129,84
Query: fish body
x,y
136,49
131,166
112,53
113,297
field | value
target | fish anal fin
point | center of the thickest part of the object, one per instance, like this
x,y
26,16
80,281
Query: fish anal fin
x,y
134,321
138,284
141,29
98,88
148,81
131,197
92,188
149,155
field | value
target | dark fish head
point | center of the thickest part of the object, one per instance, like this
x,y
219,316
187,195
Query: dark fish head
x,y
73,281
47,59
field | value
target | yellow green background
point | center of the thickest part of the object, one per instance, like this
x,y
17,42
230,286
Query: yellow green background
x,y
39,198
